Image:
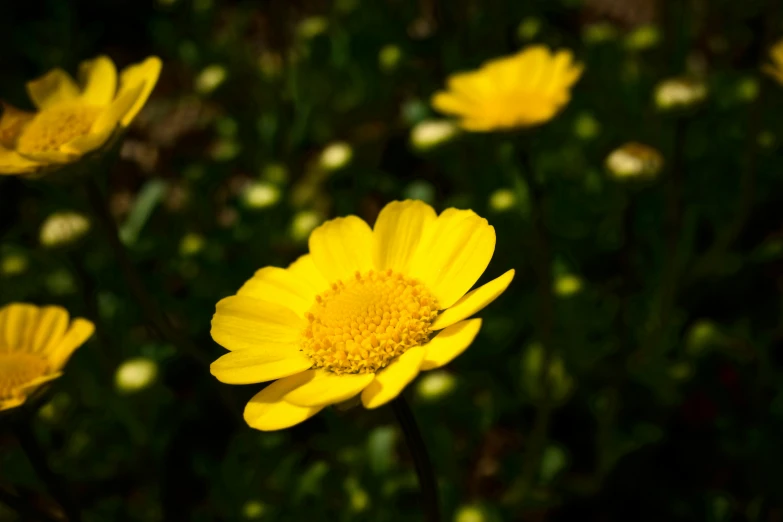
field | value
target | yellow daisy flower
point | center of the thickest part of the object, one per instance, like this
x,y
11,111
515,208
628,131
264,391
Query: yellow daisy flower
x,y
775,69
73,118
35,344
522,90
362,313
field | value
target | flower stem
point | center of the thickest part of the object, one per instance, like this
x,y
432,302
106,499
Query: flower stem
x,y
421,458
54,483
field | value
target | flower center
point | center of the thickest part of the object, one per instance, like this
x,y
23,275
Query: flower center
x,y
361,324
53,128
18,369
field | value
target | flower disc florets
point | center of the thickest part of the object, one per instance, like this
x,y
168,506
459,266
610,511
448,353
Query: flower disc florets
x,y
359,325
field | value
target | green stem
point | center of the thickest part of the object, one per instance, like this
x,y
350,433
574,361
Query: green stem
x,y
421,459
54,483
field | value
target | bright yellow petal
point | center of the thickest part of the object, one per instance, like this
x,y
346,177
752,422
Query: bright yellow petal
x,y
449,343
473,301
52,88
144,75
98,78
7,404
51,324
304,270
51,156
29,387
242,323
77,335
323,388
267,411
398,231
281,286
265,363
12,162
449,103
390,381
17,321
455,250
341,247
104,126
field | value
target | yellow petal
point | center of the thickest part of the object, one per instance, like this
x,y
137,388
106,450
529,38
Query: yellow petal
x,y
98,79
77,335
17,321
12,122
144,75
52,88
455,250
281,286
398,231
13,402
450,103
29,387
473,301
265,363
242,323
449,343
51,324
12,162
323,388
304,270
104,125
390,381
341,247
267,411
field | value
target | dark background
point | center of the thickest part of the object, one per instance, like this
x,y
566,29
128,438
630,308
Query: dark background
x,y
669,405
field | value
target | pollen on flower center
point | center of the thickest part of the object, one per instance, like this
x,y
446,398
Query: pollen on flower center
x,y
54,127
359,325
18,369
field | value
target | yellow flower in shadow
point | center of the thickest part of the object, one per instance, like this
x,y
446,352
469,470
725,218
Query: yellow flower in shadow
x,y
73,118
35,344
775,69
522,90
363,313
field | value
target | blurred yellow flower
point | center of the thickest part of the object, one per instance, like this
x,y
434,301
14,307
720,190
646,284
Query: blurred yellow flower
x,y
775,69
35,344
522,90
362,313
73,118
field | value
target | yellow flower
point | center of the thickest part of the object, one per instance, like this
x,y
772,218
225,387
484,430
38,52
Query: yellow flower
x,y
73,119
522,90
775,69
362,313
35,344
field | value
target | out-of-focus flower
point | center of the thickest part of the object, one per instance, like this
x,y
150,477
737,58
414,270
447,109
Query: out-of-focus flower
x,y
586,126
312,26
35,344
436,385
748,89
135,374
362,314
775,69
389,57
599,33
470,514
634,160
260,195
529,28
210,78
526,89
431,133
191,244
303,223
679,93
13,264
62,228
73,119
643,38
336,156
567,285
502,200
253,510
